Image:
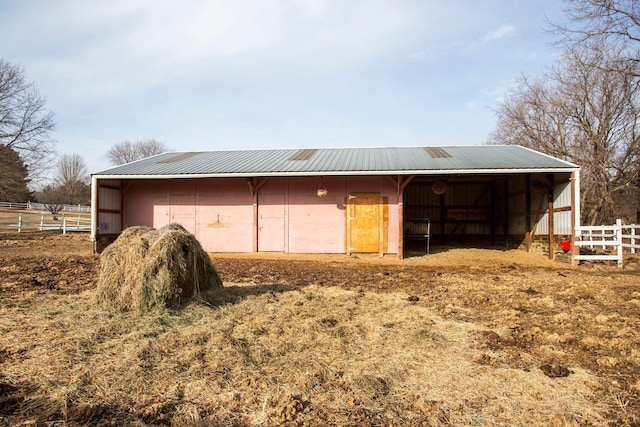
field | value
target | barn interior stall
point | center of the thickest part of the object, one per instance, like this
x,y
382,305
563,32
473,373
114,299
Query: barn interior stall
x,y
528,211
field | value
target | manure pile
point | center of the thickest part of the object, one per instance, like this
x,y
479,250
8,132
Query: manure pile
x,y
147,269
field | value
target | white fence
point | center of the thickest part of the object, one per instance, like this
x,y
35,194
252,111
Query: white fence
x,y
42,207
21,221
607,242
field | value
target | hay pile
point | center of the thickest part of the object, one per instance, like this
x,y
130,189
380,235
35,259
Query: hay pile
x,y
147,269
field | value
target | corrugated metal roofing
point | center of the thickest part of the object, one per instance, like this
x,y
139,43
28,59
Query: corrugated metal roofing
x,y
344,161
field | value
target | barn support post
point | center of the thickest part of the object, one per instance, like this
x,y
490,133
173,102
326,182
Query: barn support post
x,y
443,217
575,215
255,221
527,218
123,187
400,223
550,216
574,249
400,184
254,187
94,213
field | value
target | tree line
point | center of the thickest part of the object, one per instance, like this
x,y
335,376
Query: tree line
x,y
586,108
27,150
71,182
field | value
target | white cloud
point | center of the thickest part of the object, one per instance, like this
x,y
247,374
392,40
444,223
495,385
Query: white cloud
x,y
499,33
436,52
110,48
277,73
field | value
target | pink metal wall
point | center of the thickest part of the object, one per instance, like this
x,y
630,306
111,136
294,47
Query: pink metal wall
x,y
219,212
224,215
272,216
290,215
316,224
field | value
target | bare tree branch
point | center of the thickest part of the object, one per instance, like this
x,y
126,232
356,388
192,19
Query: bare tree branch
x,y
24,122
71,179
580,112
127,151
593,23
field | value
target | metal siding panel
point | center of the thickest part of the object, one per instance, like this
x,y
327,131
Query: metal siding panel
x,y
109,199
562,199
146,203
562,195
316,224
272,212
543,225
562,223
182,209
109,223
225,216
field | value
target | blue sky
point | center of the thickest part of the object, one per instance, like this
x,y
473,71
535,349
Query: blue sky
x,y
254,74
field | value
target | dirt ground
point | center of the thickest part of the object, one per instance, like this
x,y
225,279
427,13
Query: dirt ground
x,y
532,317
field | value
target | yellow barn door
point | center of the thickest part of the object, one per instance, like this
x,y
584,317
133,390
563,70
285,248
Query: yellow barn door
x,y
364,223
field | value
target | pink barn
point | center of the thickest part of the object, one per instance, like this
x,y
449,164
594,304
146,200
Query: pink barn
x,y
360,200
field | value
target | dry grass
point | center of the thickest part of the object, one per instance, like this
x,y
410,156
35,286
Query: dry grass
x,y
146,269
269,355
462,337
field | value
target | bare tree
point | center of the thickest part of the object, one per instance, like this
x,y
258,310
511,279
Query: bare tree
x,y
127,151
71,179
71,168
594,23
25,124
585,114
52,197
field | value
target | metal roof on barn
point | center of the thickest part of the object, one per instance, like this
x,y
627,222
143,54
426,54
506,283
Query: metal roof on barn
x,y
343,161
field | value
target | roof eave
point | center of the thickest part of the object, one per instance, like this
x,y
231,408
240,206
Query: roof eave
x,y
509,171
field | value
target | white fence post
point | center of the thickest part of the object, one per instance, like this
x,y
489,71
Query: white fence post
x,y
619,241
610,242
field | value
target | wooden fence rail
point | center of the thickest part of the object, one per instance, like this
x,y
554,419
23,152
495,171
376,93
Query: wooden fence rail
x,y
607,242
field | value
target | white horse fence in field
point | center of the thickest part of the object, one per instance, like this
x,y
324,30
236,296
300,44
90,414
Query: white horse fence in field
x,y
43,207
32,217
44,222
607,242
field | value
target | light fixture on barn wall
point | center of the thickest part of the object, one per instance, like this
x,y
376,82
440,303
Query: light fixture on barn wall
x,y
439,187
322,190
